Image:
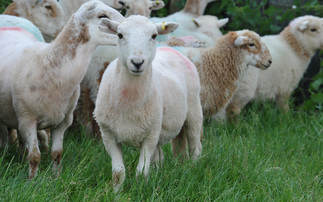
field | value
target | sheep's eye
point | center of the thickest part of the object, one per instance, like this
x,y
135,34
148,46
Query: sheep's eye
x,y
154,36
313,30
150,8
49,7
127,7
251,44
103,16
120,36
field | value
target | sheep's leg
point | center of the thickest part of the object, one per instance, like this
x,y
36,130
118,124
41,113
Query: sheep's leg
x,y
282,101
147,149
28,130
192,129
179,145
3,135
158,157
43,137
57,142
114,149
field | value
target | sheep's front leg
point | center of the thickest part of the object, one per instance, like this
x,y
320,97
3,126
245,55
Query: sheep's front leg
x,y
114,149
147,149
283,101
28,130
57,143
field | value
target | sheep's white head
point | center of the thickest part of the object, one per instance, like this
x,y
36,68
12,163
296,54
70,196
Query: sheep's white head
x,y
210,25
141,7
136,43
47,15
308,30
88,18
256,52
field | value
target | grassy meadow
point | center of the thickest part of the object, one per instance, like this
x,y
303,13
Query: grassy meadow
x,y
264,156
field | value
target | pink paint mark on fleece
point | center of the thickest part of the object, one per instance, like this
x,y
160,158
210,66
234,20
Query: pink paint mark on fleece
x,y
18,29
188,63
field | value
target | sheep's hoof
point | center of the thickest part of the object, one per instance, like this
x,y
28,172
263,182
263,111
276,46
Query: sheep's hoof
x,y
118,178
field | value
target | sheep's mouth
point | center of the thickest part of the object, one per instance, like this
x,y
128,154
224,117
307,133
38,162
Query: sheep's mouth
x,y
264,66
136,72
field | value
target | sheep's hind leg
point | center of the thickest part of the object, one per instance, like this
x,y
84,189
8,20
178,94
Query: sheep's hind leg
x,y
114,149
28,131
192,128
179,145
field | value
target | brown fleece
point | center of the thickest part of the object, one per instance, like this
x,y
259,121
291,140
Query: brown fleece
x,y
193,7
175,42
105,66
292,41
218,73
11,10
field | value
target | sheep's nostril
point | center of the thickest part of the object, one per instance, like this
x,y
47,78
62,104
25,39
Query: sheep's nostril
x,y
269,61
137,64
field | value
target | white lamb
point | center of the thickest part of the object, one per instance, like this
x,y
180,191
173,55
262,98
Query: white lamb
x,y
43,94
292,51
47,15
147,97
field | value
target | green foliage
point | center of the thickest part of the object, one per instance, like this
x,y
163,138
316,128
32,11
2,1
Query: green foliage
x,y
315,102
4,4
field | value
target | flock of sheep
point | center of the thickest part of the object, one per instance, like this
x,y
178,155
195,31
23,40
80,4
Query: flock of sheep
x,y
146,82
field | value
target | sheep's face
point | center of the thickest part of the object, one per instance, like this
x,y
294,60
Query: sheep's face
x,y
47,15
210,25
308,30
256,52
137,41
142,7
90,14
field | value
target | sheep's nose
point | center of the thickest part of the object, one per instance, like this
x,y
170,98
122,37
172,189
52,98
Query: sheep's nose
x,y
137,64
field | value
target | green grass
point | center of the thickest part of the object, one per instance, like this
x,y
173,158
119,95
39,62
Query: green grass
x,y
265,156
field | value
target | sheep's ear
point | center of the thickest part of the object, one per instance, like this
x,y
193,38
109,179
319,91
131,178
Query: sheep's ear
x,y
197,22
166,27
108,26
222,22
241,40
304,25
156,5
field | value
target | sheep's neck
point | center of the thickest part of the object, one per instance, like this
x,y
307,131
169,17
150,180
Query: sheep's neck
x,y
133,90
293,42
221,77
68,56
195,7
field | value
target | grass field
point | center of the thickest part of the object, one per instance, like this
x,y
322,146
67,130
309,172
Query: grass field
x,y
265,156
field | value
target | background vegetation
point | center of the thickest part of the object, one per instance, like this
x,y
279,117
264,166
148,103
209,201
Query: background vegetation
x,y
264,156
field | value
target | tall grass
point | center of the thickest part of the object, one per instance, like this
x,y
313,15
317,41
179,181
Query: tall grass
x,y
265,156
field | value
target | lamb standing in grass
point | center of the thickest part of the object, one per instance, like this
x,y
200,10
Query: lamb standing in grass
x,y
292,51
47,15
146,96
44,93
222,66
